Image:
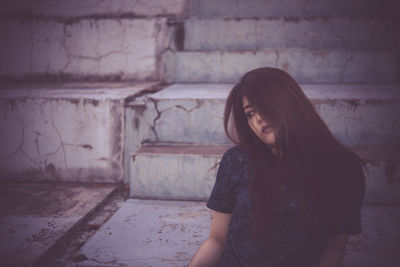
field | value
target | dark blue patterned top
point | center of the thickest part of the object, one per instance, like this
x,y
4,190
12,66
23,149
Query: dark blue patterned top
x,y
290,244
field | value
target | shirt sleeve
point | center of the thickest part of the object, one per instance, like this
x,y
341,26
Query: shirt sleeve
x,y
222,197
349,221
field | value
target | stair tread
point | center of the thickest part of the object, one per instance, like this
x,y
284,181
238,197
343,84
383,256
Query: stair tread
x,y
73,90
183,149
313,91
365,152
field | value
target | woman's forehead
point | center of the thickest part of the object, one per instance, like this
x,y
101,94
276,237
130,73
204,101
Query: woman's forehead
x,y
245,102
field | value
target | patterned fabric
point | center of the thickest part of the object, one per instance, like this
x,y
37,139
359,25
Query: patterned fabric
x,y
290,243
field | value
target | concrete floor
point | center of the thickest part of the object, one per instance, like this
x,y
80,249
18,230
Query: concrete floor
x,y
148,233
144,233
35,216
61,224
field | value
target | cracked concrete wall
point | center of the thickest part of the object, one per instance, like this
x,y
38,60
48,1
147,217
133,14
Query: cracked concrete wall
x,y
61,139
89,40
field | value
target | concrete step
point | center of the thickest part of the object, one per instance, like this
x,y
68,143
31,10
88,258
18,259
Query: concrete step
x,y
262,8
288,32
64,132
187,172
358,115
168,233
305,65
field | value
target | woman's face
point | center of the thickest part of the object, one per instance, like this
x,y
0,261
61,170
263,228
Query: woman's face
x,y
260,127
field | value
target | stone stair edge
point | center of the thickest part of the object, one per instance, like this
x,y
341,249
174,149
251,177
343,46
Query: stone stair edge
x,y
86,90
208,8
365,152
317,51
191,90
290,18
96,9
183,148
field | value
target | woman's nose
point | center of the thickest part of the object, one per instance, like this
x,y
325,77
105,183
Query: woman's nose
x,y
258,118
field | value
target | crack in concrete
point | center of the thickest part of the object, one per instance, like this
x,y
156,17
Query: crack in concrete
x,y
199,104
102,262
338,36
153,127
343,70
61,144
217,162
99,57
37,141
64,46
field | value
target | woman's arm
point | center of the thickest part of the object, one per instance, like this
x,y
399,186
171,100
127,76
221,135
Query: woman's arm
x,y
210,251
333,254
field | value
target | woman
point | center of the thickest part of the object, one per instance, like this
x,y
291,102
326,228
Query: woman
x,y
289,193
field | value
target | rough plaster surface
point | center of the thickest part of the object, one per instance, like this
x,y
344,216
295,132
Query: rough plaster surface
x,y
192,113
34,216
146,233
102,49
305,65
64,134
314,32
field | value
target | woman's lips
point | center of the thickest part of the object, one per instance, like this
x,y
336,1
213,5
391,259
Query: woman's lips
x,y
266,129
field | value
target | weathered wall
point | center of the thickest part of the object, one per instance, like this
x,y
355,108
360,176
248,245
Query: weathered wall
x,y
88,40
69,133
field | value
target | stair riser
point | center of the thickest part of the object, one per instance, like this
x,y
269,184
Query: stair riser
x,y
260,34
191,177
199,121
185,177
88,49
69,133
61,140
306,66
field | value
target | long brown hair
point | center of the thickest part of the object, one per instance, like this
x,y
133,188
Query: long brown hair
x,y
306,149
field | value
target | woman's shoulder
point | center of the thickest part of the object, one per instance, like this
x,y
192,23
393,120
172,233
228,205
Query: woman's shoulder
x,y
235,154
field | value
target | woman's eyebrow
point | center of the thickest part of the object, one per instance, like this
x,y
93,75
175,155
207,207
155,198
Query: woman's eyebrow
x,y
247,106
